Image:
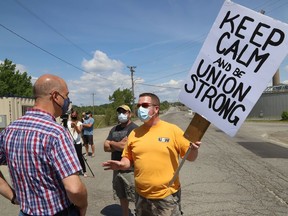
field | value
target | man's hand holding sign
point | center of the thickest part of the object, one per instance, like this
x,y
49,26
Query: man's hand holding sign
x,y
237,60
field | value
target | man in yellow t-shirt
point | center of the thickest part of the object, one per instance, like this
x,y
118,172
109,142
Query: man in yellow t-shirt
x,y
154,149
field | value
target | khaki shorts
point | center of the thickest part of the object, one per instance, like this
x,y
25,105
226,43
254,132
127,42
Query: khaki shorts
x,y
169,206
123,185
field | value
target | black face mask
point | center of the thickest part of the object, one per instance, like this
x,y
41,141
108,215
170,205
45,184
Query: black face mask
x,y
73,118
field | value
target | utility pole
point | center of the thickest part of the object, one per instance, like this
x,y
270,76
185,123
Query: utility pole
x,y
93,102
132,70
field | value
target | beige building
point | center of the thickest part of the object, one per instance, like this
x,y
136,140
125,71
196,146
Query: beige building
x,y
11,108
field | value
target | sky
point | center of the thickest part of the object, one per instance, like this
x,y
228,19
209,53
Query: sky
x,y
92,44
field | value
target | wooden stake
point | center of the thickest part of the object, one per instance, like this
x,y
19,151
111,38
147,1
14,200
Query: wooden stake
x,y
194,132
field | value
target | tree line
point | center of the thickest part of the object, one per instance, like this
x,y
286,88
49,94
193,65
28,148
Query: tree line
x,y
14,83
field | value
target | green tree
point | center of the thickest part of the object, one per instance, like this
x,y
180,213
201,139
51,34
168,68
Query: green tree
x,y
14,83
118,98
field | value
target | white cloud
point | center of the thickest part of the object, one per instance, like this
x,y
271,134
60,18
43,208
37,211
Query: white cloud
x,y
101,63
103,77
167,91
21,68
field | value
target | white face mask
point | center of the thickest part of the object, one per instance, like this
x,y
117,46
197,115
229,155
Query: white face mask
x,y
143,114
122,118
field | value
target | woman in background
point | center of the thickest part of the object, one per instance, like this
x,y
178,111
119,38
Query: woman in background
x,y
75,128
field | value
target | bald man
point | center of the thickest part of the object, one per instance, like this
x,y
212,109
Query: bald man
x,y
41,157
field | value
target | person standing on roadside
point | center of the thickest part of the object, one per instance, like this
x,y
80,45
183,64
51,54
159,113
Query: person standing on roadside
x,y
123,180
88,126
154,149
75,129
41,157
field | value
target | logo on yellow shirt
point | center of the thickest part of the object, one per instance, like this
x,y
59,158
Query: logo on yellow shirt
x,y
163,139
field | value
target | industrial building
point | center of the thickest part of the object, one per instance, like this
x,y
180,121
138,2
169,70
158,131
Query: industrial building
x,y
272,103
11,108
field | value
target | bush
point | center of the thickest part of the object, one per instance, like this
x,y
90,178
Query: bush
x,y
284,115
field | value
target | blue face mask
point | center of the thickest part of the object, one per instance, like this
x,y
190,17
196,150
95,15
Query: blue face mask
x,y
122,118
143,114
65,106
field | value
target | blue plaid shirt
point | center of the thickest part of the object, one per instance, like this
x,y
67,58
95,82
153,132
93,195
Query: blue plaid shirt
x,y
39,153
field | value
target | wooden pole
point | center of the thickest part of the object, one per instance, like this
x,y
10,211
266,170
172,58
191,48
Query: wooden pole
x,y
194,132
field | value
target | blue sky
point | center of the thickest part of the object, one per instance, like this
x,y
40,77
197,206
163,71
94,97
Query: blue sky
x,y
91,43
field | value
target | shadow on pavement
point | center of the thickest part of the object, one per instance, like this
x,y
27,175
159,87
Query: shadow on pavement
x,y
266,149
113,210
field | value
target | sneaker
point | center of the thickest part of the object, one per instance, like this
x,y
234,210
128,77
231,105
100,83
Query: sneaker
x,y
93,155
85,175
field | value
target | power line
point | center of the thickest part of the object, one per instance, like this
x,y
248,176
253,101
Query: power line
x,y
169,87
185,45
53,29
169,75
49,53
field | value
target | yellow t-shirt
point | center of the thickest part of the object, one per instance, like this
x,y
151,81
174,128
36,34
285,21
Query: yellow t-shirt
x,y
155,151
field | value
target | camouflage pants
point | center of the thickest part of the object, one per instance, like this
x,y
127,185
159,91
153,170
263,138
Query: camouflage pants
x,y
169,206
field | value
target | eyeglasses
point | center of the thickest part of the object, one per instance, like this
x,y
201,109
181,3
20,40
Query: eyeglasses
x,y
145,105
59,94
122,111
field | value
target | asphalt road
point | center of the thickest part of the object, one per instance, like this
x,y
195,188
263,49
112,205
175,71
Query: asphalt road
x,y
243,175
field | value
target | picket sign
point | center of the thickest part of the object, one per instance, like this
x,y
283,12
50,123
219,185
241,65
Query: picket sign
x,y
240,55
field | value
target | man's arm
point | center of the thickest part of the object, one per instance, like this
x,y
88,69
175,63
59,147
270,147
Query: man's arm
x,y
76,192
107,147
87,125
6,190
110,145
124,164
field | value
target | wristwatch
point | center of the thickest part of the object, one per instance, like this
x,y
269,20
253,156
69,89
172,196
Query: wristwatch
x,y
13,200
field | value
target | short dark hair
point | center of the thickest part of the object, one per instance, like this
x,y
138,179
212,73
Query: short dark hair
x,y
155,98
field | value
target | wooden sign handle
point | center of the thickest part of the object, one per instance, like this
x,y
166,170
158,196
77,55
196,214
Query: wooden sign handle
x,y
194,132
196,128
